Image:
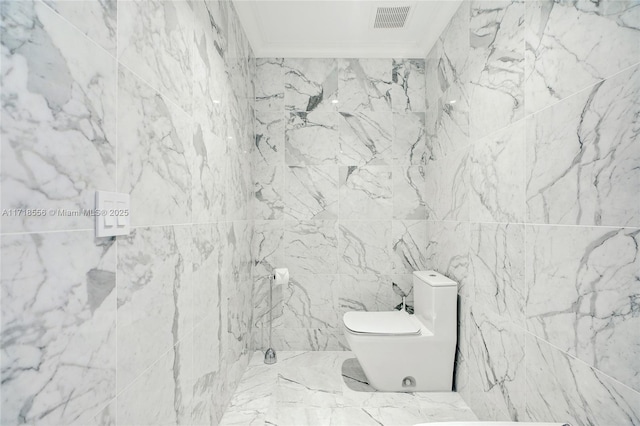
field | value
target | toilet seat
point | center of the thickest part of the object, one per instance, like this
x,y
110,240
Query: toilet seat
x,y
392,323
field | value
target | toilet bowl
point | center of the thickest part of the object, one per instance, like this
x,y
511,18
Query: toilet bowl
x,y
400,352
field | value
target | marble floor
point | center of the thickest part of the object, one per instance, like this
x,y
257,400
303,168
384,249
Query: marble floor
x,y
329,388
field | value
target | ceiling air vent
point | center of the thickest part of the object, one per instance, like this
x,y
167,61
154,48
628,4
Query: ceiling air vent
x,y
391,17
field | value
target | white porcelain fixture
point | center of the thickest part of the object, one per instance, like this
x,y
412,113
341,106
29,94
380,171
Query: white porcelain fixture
x,y
404,353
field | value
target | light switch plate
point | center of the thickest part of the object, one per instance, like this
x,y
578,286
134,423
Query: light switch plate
x,y
113,215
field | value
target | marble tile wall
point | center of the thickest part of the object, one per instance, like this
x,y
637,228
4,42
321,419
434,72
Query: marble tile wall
x,y
532,182
339,192
152,98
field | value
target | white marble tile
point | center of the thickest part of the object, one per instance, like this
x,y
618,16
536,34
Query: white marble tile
x,y
408,239
582,157
155,154
162,395
267,254
447,187
155,41
496,68
237,291
365,84
365,138
311,192
371,292
364,247
97,19
497,364
321,388
210,392
408,85
270,84
572,45
212,97
496,183
58,118
447,251
58,327
243,418
560,388
311,246
409,143
208,179
582,286
497,268
206,267
308,302
312,138
309,339
154,296
270,136
366,193
447,106
268,187
310,84
409,198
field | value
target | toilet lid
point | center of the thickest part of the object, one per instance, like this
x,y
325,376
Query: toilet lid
x,y
392,322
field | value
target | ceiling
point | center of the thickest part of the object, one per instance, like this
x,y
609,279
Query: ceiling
x,y
341,28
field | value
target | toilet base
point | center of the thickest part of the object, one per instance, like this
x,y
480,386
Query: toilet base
x,y
405,363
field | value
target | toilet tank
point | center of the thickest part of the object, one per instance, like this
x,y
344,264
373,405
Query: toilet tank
x,y
436,300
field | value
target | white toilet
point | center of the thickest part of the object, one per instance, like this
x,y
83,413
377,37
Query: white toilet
x,y
400,352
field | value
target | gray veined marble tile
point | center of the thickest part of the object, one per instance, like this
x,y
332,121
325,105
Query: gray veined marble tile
x,y
267,246
269,145
365,84
96,19
311,246
308,302
563,57
408,85
209,178
582,286
310,84
206,268
58,327
561,388
162,394
496,183
409,141
370,292
270,84
210,392
311,192
408,239
364,247
269,190
155,154
211,96
447,251
497,364
366,193
583,155
497,268
447,69
58,118
154,296
155,41
409,186
366,138
312,138
496,92
447,187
